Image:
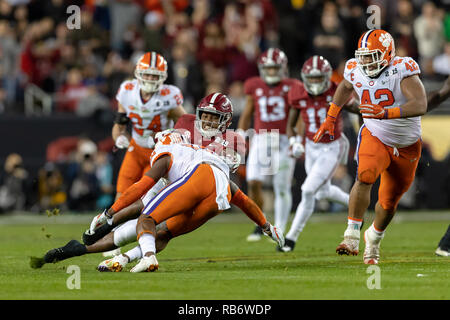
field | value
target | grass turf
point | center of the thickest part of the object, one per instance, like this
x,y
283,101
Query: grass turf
x,y
215,262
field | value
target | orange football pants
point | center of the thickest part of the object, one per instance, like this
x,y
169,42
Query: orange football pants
x,y
397,171
187,203
134,165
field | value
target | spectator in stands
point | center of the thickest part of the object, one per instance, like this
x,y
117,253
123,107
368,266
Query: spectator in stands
x,y
441,63
51,188
71,92
83,184
104,174
329,37
429,31
403,30
13,184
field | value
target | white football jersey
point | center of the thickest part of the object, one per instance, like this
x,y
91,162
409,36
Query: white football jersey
x,y
185,157
148,117
385,91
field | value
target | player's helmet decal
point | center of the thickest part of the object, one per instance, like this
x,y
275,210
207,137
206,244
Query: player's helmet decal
x,y
316,75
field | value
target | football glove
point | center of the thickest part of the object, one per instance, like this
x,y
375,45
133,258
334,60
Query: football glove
x,y
274,233
122,142
99,220
296,148
372,111
326,127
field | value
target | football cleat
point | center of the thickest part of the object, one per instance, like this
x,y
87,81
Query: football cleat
x,y
289,246
115,264
372,249
256,235
72,249
350,244
146,264
442,252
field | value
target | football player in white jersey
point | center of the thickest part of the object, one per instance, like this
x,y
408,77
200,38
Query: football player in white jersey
x,y
151,106
392,99
309,105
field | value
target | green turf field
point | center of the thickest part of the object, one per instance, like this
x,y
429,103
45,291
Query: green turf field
x,y
215,262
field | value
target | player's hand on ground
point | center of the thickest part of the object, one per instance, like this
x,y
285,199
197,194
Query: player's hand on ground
x,y
296,148
122,142
274,233
98,221
326,127
372,111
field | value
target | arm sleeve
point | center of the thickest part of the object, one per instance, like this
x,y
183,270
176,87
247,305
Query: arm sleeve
x,y
249,207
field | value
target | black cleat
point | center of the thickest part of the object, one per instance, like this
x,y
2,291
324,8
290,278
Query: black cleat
x,y
288,246
89,239
72,249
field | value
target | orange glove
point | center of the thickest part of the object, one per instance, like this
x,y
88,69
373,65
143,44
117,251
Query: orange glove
x,y
375,111
328,124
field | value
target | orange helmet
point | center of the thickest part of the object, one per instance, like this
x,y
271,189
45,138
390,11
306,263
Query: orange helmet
x,y
376,50
151,63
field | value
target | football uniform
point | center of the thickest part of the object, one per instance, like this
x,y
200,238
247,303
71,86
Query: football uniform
x,y
269,145
199,188
147,118
322,158
389,148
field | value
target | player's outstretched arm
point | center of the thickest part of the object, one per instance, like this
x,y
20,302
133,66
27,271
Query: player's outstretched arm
x,y
251,209
138,189
435,98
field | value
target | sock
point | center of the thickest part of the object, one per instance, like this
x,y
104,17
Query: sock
x,y
147,243
302,215
133,254
373,234
282,208
354,224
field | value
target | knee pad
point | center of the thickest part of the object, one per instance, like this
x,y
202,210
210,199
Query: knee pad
x,y
125,233
368,176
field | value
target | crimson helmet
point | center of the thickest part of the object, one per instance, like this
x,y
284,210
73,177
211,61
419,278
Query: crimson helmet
x,y
316,75
217,104
151,63
270,58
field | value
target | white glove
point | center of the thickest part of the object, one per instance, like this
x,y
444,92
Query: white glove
x,y
275,234
122,142
98,221
296,148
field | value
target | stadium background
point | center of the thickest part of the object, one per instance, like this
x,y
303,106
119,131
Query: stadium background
x,y
57,86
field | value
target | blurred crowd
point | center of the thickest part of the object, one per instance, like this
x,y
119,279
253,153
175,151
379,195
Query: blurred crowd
x,y
210,45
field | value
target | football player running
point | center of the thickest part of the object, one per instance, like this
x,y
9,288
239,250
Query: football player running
x,y
392,99
267,104
310,102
